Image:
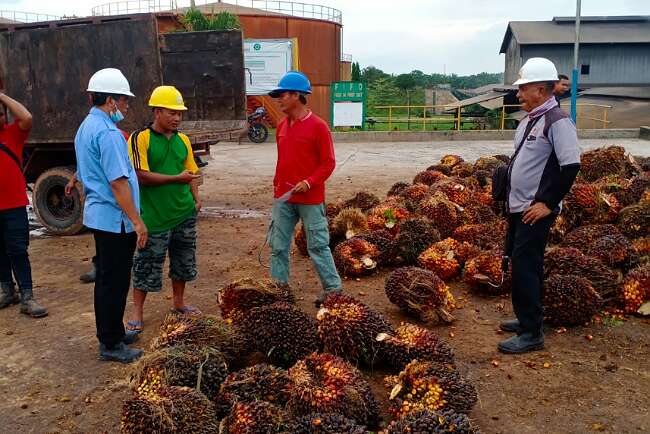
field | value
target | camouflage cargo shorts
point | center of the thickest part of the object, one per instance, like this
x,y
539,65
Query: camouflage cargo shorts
x,y
180,242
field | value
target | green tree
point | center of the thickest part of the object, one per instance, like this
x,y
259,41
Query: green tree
x,y
405,82
370,74
356,72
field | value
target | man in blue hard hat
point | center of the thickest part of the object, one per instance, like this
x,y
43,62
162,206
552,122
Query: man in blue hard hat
x,y
305,162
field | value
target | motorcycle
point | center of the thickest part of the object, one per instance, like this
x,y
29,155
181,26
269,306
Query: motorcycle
x,y
257,131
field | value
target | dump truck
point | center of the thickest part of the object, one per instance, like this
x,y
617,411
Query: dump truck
x,y
46,66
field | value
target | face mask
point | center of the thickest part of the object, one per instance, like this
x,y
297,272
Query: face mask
x,y
117,116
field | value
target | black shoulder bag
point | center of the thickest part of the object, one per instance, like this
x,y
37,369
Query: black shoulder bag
x,y
11,154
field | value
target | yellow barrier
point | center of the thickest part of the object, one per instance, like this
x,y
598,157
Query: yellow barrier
x,y
456,118
580,116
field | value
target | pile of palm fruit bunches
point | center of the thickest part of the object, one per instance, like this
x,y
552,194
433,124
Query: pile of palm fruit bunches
x,y
265,366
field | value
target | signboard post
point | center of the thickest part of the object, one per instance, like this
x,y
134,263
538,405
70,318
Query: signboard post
x,y
267,60
348,104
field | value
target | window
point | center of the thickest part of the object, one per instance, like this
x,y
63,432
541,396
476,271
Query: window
x,y
584,69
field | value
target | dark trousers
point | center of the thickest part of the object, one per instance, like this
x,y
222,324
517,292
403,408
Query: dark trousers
x,y
114,262
525,245
14,240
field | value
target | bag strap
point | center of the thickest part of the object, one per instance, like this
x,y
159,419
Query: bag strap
x,y
527,131
12,155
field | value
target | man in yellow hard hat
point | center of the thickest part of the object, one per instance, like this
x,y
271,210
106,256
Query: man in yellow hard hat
x,y
169,192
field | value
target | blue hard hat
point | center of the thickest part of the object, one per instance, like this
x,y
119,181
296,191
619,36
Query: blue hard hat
x,y
293,81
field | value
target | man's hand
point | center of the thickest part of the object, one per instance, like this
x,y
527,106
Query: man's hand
x,y
535,213
70,186
197,205
141,231
186,177
302,187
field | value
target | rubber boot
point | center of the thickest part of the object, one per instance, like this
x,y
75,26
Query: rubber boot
x,y
8,295
90,276
29,306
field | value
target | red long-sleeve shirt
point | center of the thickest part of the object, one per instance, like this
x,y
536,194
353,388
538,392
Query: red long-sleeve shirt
x,y
305,153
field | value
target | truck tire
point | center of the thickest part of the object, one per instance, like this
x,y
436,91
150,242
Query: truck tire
x,y
59,214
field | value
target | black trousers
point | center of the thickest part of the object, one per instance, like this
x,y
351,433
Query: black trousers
x,y
14,240
114,261
525,245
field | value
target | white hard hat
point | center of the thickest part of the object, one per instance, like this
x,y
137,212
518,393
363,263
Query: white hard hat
x,y
109,80
536,69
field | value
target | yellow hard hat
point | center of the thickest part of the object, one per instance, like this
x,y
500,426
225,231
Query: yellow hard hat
x,y
167,97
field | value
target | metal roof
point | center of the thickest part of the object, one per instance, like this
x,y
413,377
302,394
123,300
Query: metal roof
x,y
619,92
475,100
593,30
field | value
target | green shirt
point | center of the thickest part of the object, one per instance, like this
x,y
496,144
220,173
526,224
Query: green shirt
x,y
165,206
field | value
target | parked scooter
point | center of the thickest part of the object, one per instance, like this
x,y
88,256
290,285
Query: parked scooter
x,y
257,131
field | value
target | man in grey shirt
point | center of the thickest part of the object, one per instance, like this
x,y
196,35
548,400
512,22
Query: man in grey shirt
x,y
540,174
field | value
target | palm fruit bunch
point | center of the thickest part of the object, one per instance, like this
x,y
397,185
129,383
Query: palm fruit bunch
x,y
636,289
454,190
594,205
569,260
362,200
641,247
420,293
451,160
411,342
174,410
240,296
444,214
613,249
413,196
484,235
348,328
332,210
488,164
635,189
397,188
634,220
415,235
260,382
386,216
300,240
428,177
445,258
602,162
180,366
433,422
356,257
384,241
258,417
463,170
484,273
484,179
327,423
445,170
477,212
587,235
429,386
569,300
349,223
324,383
281,331
502,157
202,331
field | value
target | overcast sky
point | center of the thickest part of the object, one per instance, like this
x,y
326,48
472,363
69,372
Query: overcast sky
x,y
459,36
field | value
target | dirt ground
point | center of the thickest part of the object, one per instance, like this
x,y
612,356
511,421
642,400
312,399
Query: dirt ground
x,y
52,382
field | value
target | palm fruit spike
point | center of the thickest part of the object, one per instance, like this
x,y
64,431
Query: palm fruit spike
x,y
635,189
281,331
415,192
420,293
444,214
428,177
612,249
569,260
387,217
477,213
174,410
587,235
327,423
595,205
484,273
601,162
446,170
415,235
238,297
569,300
634,220
325,383
258,417
201,330
463,170
451,160
487,236
488,164
300,239
201,368
356,257
455,191
446,257
348,328
433,422
349,223
642,248
397,188
363,201
429,386
636,289
384,242
260,382
412,342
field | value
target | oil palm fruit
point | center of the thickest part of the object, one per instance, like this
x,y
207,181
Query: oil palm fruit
x,y
240,296
484,273
411,342
349,223
415,235
463,170
362,200
569,260
602,162
325,423
428,177
420,293
636,288
634,220
356,257
384,241
451,160
433,422
487,236
445,258
258,417
569,300
387,216
397,188
456,191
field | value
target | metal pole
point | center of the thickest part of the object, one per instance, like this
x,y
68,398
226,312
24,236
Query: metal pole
x,y
503,116
574,78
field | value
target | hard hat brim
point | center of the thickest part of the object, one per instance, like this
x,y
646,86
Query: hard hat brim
x,y
179,108
119,92
524,81
275,93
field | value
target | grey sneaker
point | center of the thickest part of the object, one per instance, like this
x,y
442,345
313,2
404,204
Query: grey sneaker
x,y
120,353
32,308
522,343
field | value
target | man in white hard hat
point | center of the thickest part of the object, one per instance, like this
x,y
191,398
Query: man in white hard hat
x,y
111,209
540,174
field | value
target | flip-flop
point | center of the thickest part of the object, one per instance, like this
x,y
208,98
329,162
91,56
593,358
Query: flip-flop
x,y
187,310
135,326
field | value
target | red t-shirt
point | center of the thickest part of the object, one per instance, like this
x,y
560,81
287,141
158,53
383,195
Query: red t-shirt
x,y
13,190
305,153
